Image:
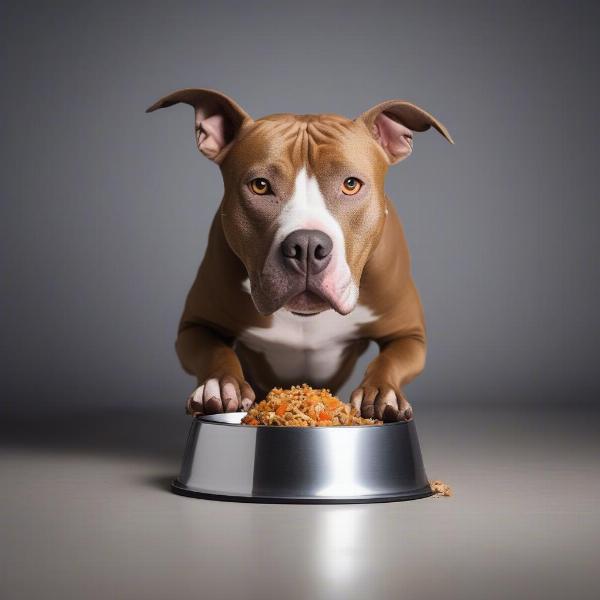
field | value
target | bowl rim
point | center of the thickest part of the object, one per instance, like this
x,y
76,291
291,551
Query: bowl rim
x,y
214,421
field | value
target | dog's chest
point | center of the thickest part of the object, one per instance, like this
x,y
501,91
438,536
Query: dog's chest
x,y
298,348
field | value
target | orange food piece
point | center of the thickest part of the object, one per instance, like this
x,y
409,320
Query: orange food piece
x,y
331,403
281,409
324,416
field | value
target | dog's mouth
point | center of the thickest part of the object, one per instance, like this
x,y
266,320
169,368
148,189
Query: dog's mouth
x,y
273,290
307,304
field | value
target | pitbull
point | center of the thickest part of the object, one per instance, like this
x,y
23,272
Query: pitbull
x,y
306,260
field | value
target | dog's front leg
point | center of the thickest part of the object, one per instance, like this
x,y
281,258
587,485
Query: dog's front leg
x,y
210,357
380,394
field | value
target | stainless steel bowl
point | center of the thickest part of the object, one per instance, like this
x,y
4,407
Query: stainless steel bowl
x,y
226,460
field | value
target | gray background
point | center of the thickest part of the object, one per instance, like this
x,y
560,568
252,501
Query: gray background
x,y
105,209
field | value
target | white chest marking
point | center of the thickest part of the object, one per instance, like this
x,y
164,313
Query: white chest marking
x,y
299,348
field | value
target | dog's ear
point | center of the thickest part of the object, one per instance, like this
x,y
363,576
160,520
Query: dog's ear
x,y
218,119
392,124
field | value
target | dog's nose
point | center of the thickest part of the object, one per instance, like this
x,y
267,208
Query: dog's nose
x,y
307,250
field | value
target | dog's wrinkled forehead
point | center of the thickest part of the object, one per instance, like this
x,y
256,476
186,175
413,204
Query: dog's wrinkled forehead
x,y
324,145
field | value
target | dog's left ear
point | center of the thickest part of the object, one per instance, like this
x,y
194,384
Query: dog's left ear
x,y
218,119
392,124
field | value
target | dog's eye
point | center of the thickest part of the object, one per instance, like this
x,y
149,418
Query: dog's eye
x,y
261,186
351,186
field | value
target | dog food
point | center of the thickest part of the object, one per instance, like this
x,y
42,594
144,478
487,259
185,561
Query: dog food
x,y
303,406
439,488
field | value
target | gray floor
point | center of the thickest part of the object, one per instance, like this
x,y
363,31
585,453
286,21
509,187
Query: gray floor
x,y
85,513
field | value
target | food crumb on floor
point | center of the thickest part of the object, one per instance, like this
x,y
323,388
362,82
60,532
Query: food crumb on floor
x,y
440,488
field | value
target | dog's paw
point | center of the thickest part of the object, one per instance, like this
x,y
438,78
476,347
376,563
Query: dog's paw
x,y
220,394
381,402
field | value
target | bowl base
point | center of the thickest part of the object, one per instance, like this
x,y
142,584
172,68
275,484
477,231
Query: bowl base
x,y
181,490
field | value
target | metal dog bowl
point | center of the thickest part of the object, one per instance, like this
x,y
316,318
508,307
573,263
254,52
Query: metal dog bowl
x,y
225,460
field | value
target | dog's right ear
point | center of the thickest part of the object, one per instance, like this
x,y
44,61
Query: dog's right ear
x,y
218,119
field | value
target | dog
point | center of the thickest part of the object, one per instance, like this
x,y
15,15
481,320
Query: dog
x,y
306,260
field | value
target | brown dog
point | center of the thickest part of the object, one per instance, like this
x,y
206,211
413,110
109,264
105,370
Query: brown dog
x,y
306,259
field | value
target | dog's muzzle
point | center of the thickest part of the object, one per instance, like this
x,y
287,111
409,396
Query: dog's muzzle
x,y
298,276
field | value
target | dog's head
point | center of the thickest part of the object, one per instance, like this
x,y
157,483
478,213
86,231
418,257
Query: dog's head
x,y
304,202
